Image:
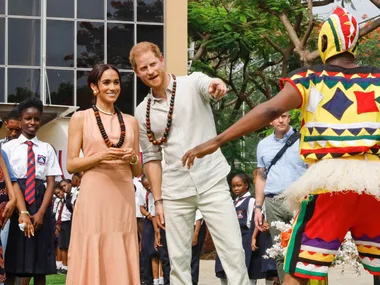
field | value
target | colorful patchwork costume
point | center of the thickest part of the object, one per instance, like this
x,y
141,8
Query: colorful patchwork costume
x,y
340,139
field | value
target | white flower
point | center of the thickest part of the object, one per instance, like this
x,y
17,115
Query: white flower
x,y
347,255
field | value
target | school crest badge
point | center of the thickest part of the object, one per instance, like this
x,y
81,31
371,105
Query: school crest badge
x,y
41,159
240,214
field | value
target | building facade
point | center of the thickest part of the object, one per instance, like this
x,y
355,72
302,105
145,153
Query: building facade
x,y
47,48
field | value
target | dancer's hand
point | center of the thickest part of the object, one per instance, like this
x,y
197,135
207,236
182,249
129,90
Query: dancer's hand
x,y
28,229
160,216
217,88
253,244
199,152
259,219
8,211
38,220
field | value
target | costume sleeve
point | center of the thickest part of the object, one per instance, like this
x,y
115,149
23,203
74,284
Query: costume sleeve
x,y
259,155
10,171
202,83
150,151
53,168
300,80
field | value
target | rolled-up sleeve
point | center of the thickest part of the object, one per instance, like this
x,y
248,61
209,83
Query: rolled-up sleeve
x,y
150,151
202,83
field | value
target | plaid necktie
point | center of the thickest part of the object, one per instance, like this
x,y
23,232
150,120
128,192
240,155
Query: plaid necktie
x,y
30,190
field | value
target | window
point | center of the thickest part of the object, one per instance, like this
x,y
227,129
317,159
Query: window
x,y
47,47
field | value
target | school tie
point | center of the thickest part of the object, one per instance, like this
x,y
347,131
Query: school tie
x,y
30,190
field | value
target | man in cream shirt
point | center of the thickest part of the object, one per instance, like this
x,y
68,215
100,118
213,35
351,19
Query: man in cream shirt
x,y
174,117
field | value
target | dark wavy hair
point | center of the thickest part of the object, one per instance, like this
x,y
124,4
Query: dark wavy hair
x,y
97,72
243,176
31,102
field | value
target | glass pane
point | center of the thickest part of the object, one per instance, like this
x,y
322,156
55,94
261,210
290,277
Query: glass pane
x,y
60,8
91,9
60,43
24,41
90,44
2,6
150,33
120,10
119,43
125,101
84,94
142,91
23,83
61,86
150,11
2,40
24,7
2,74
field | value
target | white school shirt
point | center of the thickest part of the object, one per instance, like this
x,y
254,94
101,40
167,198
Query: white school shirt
x,y
250,209
46,158
139,188
192,124
198,216
74,194
142,202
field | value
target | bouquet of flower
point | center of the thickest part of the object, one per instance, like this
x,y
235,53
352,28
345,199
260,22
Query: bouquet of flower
x,y
347,256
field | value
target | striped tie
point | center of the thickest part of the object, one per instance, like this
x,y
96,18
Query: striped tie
x,y
30,190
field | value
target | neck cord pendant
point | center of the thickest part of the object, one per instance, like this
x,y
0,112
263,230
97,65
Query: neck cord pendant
x,y
164,138
108,142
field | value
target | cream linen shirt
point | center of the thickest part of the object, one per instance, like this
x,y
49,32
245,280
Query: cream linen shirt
x,y
192,124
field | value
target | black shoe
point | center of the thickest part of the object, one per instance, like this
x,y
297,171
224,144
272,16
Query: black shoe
x,y
62,271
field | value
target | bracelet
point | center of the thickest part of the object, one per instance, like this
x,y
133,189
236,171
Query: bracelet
x,y
25,212
258,207
136,160
159,201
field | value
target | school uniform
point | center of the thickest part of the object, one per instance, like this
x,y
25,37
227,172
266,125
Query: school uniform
x,y
64,220
147,244
35,255
197,249
244,206
260,267
3,201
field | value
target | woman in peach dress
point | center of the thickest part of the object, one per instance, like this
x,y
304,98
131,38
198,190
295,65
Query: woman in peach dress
x,y
104,247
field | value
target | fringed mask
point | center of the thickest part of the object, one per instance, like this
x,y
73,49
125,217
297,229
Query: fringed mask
x,y
341,30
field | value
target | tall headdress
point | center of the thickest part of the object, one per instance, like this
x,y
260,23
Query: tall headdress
x,y
341,31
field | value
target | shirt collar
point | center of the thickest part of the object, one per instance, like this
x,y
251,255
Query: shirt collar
x,y
286,136
245,195
22,139
169,88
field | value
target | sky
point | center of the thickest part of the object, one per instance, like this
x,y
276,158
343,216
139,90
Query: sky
x,y
362,7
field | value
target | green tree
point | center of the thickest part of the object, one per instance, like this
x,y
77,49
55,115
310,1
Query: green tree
x,y
250,45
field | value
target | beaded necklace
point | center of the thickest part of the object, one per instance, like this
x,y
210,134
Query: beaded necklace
x,y
108,142
164,138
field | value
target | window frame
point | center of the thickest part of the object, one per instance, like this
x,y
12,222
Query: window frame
x,y
43,46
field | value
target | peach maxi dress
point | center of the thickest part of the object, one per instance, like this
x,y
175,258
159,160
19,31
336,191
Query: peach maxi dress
x,y
104,247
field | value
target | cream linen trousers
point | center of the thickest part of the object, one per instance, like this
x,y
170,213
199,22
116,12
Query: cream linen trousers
x,y
219,213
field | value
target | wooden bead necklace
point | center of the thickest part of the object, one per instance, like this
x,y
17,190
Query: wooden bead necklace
x,y
164,138
106,139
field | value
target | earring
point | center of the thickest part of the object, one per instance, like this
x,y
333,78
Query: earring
x,y
95,92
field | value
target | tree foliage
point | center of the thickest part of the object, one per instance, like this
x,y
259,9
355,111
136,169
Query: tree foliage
x,y
250,44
